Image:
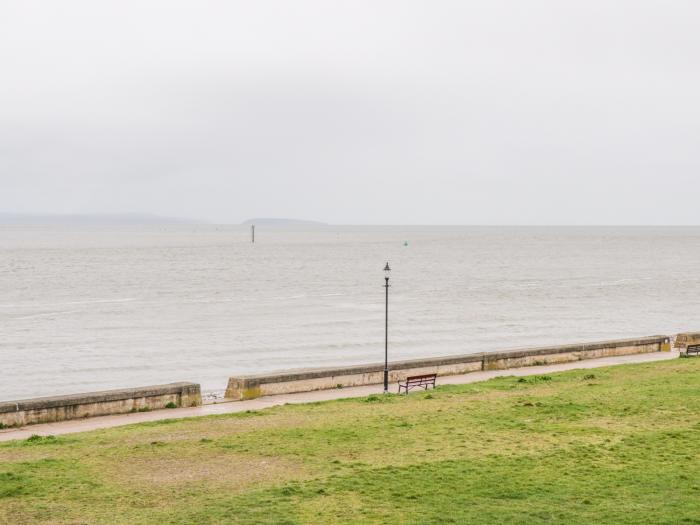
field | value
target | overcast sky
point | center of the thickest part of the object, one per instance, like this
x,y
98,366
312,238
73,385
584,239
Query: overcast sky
x,y
353,112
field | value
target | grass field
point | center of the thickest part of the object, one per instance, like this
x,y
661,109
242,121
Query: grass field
x,y
610,445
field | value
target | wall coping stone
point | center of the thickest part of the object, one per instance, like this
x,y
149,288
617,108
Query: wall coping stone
x,y
580,347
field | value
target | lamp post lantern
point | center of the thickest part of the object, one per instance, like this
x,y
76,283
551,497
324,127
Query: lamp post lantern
x,y
387,270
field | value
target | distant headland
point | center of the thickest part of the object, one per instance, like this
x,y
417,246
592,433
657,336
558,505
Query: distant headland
x,y
268,221
88,219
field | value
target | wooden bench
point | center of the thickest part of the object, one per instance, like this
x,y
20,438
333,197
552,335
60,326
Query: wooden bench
x,y
424,381
693,349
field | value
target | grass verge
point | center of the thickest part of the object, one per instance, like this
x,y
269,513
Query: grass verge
x,y
613,445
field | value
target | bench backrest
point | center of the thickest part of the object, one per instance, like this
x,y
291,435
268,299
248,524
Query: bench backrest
x,y
418,379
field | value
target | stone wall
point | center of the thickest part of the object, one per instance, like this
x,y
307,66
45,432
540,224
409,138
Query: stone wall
x,y
75,406
304,380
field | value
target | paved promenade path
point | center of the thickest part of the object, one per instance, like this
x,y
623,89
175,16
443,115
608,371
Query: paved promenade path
x,y
83,425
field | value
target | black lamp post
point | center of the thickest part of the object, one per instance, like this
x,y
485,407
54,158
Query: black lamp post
x,y
386,329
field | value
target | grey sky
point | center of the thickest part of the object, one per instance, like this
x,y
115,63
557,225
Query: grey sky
x,y
434,112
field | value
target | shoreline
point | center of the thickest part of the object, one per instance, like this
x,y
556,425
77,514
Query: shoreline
x,y
103,422
52,409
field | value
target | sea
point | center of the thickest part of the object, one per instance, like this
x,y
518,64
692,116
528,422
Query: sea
x,y
85,308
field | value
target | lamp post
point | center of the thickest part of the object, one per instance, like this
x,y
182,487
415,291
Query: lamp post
x,y
387,270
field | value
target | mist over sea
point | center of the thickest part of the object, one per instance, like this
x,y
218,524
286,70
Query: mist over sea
x,y
93,308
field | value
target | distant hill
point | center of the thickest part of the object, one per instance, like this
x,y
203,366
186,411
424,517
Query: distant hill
x,y
91,219
266,221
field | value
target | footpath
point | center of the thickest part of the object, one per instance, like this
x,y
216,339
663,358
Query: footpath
x,y
96,423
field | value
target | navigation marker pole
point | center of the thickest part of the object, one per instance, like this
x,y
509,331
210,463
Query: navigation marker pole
x,y
252,233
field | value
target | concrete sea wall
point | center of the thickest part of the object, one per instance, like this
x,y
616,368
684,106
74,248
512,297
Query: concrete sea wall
x,y
60,408
304,380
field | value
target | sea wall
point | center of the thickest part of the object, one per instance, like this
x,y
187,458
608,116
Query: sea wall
x,y
75,406
304,380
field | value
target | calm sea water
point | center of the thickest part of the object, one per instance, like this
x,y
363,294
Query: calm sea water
x,y
95,308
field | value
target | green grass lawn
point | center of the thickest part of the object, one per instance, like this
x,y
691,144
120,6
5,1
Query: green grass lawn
x,y
610,445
